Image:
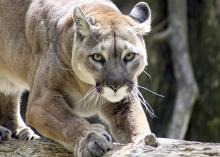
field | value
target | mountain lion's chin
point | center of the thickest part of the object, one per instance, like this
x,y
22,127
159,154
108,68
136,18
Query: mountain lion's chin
x,y
114,97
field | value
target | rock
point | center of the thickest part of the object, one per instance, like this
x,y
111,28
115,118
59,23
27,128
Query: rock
x,y
168,148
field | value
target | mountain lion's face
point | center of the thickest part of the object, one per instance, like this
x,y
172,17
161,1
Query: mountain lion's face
x,y
109,51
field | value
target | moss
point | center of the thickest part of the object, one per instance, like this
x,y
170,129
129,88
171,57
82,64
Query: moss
x,y
214,126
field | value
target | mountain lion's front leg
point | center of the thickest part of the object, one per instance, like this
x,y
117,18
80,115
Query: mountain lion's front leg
x,y
11,123
51,116
127,121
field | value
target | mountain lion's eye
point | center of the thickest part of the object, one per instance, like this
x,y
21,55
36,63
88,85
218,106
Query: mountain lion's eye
x,y
129,57
98,58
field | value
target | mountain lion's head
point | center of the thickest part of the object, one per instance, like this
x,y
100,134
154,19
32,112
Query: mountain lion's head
x,y
108,48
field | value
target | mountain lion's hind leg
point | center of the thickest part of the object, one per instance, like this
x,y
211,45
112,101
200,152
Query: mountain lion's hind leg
x,y
11,122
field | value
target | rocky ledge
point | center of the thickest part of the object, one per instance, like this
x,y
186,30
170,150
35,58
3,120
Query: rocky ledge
x,y
168,148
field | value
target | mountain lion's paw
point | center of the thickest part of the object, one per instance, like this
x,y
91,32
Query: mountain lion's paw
x,y
26,134
5,134
151,140
94,145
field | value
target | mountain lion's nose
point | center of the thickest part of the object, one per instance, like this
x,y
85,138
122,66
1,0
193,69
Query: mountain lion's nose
x,y
114,87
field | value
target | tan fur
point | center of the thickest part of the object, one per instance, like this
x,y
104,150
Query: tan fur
x,y
36,43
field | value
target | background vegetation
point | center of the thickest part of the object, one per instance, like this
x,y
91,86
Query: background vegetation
x,y
184,63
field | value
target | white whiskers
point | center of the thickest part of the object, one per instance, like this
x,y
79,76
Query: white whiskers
x,y
66,69
151,91
91,98
136,94
88,94
148,75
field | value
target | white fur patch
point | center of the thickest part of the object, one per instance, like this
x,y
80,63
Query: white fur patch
x,y
11,86
112,96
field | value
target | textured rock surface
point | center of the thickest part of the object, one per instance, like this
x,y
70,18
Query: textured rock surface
x,y
168,148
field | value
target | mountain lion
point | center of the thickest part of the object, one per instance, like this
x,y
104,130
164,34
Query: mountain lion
x,y
77,58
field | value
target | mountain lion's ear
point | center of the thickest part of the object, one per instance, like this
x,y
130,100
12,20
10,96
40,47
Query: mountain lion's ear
x,y
82,25
142,13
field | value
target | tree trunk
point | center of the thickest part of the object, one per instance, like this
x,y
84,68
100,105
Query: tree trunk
x,y
187,90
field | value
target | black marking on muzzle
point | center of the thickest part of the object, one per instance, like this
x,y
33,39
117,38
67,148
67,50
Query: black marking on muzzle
x,y
98,87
